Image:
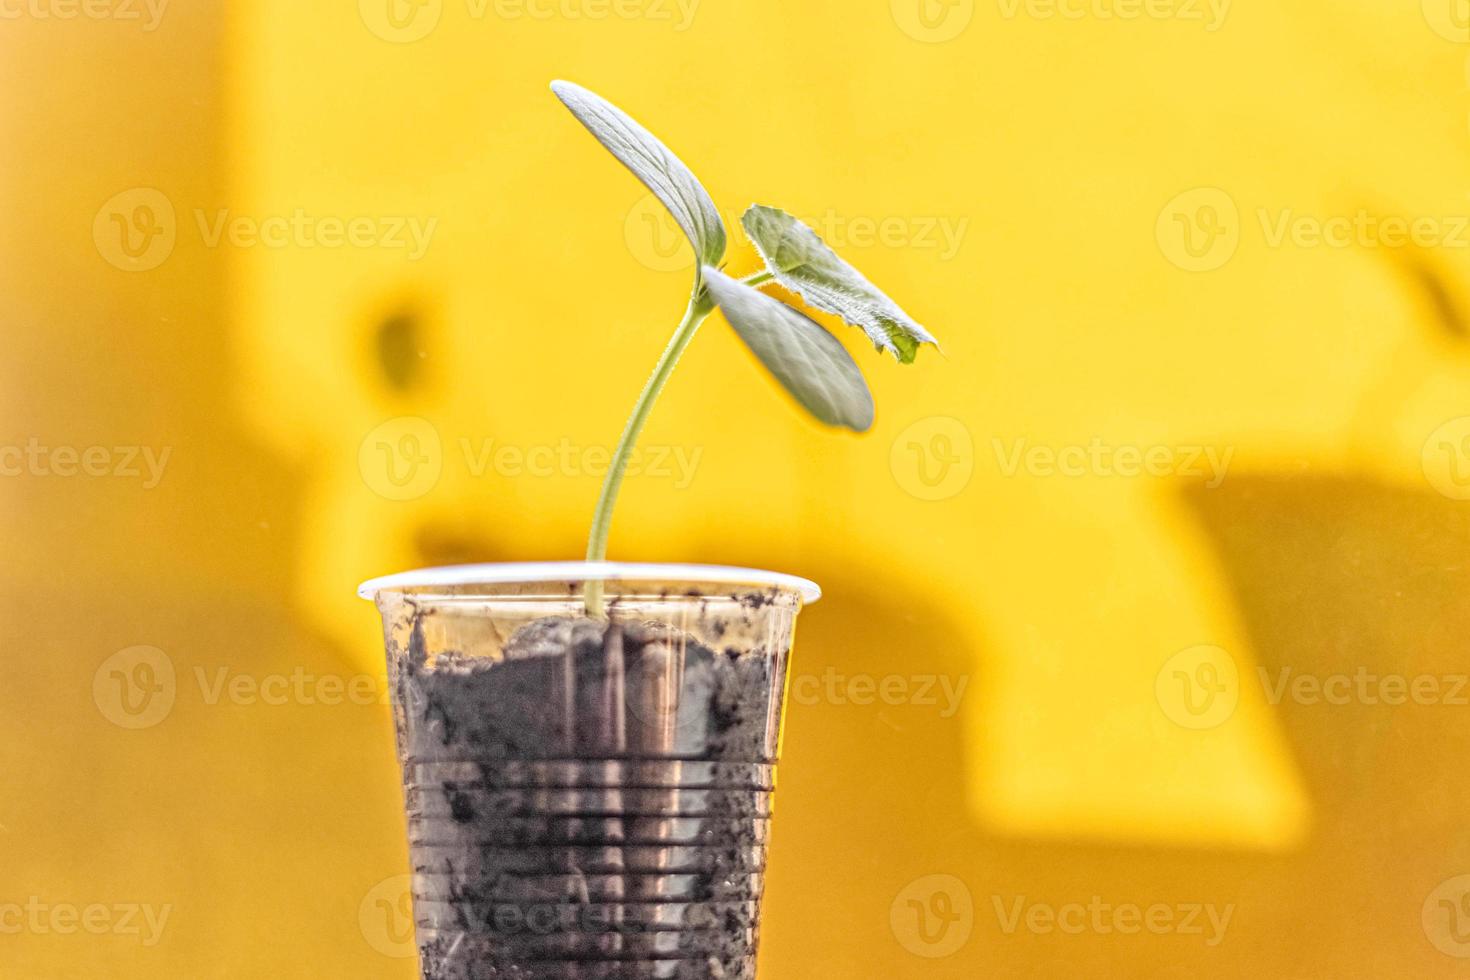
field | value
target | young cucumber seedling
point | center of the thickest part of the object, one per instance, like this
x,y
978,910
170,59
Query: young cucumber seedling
x,y
807,360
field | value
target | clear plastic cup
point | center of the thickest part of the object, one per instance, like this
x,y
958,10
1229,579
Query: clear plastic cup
x,y
588,796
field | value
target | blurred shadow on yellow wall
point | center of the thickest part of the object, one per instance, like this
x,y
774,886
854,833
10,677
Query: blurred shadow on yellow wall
x,y
1024,756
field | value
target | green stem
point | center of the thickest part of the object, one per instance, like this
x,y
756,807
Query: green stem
x,y
700,307
756,278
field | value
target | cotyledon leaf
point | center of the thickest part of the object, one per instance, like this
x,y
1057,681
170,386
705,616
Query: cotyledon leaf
x,y
803,263
807,360
654,164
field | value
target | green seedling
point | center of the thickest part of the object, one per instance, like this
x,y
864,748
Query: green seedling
x,y
808,361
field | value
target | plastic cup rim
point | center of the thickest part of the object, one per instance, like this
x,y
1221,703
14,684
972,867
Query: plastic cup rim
x,y
509,573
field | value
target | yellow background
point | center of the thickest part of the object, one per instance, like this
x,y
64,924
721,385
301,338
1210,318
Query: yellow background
x,y
1068,155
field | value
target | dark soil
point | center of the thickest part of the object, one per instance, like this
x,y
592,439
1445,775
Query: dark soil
x,y
595,803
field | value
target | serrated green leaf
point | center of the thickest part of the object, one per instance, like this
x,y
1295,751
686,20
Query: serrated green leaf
x,y
803,263
653,163
807,360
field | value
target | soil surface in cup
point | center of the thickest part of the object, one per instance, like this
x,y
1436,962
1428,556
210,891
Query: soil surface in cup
x,y
596,798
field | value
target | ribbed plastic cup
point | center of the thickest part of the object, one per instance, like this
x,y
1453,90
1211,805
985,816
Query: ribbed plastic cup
x,y
588,796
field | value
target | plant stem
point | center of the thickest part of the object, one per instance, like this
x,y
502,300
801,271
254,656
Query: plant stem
x,y
700,307
756,278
